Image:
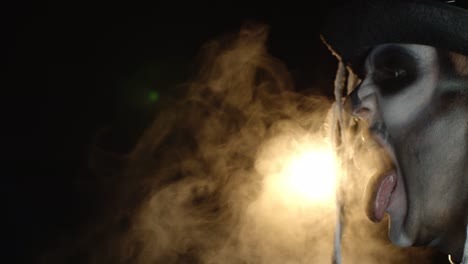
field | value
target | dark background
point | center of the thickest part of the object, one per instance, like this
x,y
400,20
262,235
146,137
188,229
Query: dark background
x,y
82,74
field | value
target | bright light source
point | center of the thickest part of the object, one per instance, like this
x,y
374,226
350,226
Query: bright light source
x,y
311,175
301,174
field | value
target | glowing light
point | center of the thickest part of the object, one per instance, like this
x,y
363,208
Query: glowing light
x,y
312,175
300,172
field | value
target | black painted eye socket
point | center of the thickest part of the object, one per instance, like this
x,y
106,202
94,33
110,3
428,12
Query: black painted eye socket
x,y
387,73
394,70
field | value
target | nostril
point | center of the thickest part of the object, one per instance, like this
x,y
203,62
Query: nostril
x,y
353,105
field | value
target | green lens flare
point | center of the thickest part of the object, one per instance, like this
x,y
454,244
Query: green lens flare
x,y
153,96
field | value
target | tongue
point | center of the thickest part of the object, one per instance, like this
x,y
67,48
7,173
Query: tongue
x,y
379,191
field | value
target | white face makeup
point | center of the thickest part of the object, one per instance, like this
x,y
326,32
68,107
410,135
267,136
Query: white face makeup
x,y
417,109
406,78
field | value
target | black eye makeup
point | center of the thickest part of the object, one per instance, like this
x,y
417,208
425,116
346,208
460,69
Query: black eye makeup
x,y
394,69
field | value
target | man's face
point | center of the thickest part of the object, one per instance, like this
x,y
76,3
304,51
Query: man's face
x,y
415,100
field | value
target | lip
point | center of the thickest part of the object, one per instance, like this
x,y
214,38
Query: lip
x,y
398,204
378,194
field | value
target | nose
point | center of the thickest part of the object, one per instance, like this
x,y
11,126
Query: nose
x,y
354,105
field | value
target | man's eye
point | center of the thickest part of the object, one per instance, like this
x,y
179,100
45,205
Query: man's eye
x,y
394,69
392,80
389,74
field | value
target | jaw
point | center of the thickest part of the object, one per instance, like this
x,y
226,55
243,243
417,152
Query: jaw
x,y
431,208
434,167
419,214
412,208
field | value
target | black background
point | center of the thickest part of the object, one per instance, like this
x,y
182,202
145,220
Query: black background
x,y
79,70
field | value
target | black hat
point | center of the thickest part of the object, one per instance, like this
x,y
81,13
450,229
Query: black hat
x,y
352,30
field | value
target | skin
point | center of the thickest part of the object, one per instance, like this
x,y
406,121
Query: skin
x,y
415,100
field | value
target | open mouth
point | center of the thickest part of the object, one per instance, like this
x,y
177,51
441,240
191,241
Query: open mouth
x,y
379,191
385,192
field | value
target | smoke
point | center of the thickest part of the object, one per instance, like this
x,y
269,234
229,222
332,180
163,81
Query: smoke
x,y
241,117
203,184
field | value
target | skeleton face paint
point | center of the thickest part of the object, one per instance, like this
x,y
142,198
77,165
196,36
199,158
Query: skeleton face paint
x,y
416,104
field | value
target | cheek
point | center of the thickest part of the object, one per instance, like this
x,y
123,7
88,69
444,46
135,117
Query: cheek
x,y
437,146
402,110
433,156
